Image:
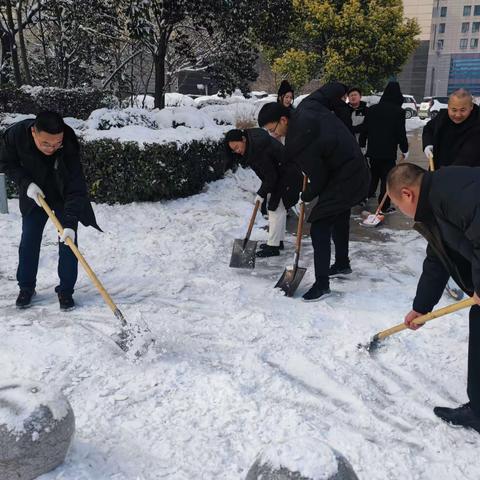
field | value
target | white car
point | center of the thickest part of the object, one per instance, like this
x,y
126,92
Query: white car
x,y
430,106
409,103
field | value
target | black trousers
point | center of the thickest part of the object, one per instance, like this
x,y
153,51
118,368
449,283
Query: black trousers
x,y
33,225
379,168
322,232
473,379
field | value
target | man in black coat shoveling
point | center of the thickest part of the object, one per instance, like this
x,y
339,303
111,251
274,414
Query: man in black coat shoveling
x,y
281,180
446,207
327,152
384,129
453,136
42,157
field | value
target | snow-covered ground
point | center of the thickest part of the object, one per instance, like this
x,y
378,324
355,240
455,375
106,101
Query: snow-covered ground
x,y
236,365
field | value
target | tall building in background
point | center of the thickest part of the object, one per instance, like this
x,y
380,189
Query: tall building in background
x,y
454,54
414,73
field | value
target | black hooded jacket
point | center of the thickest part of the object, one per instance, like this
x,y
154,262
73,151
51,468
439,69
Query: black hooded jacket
x,y
454,144
448,216
384,126
328,154
60,176
280,178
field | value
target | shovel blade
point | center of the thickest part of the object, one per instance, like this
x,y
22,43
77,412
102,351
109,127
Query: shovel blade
x,y
373,220
290,280
243,257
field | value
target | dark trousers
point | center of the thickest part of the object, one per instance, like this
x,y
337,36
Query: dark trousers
x,y
322,232
473,382
379,168
29,253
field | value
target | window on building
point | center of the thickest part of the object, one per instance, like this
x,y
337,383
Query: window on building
x,y
443,11
467,10
463,43
476,10
465,27
474,43
441,27
475,27
440,45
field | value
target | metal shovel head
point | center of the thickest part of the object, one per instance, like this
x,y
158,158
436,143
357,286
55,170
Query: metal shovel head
x,y
373,220
243,257
290,280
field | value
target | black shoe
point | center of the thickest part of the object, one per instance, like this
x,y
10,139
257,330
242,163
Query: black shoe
x,y
66,301
268,251
315,294
389,210
336,270
363,204
262,246
463,416
24,299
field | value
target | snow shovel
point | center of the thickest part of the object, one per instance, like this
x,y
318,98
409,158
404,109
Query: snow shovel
x,y
375,342
377,218
128,332
243,253
293,275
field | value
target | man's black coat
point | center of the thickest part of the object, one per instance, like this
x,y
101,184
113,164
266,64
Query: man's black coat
x,y
384,126
448,216
60,175
329,155
454,144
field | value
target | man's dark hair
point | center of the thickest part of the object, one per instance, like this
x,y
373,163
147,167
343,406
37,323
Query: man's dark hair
x,y
271,112
49,122
404,175
234,135
354,89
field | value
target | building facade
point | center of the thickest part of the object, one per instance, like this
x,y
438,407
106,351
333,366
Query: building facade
x,y
454,53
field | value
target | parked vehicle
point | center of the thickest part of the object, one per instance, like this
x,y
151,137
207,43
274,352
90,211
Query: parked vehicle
x,y
430,106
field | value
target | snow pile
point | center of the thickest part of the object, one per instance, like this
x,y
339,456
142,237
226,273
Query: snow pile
x,y
19,400
182,116
106,118
171,100
311,457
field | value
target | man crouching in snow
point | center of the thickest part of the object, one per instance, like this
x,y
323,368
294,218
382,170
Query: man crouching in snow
x,y
280,180
446,207
327,152
42,157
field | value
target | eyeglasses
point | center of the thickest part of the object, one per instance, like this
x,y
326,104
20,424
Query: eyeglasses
x,y
270,130
56,146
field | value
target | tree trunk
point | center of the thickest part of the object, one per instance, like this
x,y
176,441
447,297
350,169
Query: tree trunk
x,y
13,46
44,47
159,62
23,48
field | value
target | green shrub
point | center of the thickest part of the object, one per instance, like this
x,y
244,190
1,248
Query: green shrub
x,y
71,102
124,172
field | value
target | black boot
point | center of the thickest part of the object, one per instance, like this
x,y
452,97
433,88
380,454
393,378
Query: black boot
x,y
264,245
268,251
66,301
24,299
316,293
463,416
339,270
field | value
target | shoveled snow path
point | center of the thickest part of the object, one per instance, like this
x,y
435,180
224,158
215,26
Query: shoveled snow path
x,y
236,365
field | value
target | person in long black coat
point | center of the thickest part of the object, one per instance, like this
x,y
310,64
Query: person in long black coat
x,y
281,180
446,207
327,152
384,129
42,157
453,136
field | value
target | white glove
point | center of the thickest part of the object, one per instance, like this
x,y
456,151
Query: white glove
x,y
67,233
33,191
260,199
428,151
405,155
364,150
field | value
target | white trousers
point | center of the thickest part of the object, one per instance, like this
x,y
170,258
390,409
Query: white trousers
x,y
277,224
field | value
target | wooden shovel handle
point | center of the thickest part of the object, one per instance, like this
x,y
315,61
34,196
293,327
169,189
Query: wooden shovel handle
x,y
468,302
380,206
252,221
301,218
81,259
431,165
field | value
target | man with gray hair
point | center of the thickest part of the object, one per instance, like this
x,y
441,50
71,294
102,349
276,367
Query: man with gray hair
x,y
453,136
446,207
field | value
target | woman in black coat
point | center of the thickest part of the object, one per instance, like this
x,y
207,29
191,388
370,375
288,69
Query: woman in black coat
x,y
281,180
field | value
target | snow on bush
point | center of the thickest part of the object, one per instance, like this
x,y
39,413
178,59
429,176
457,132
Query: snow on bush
x,y
183,117
171,100
105,118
